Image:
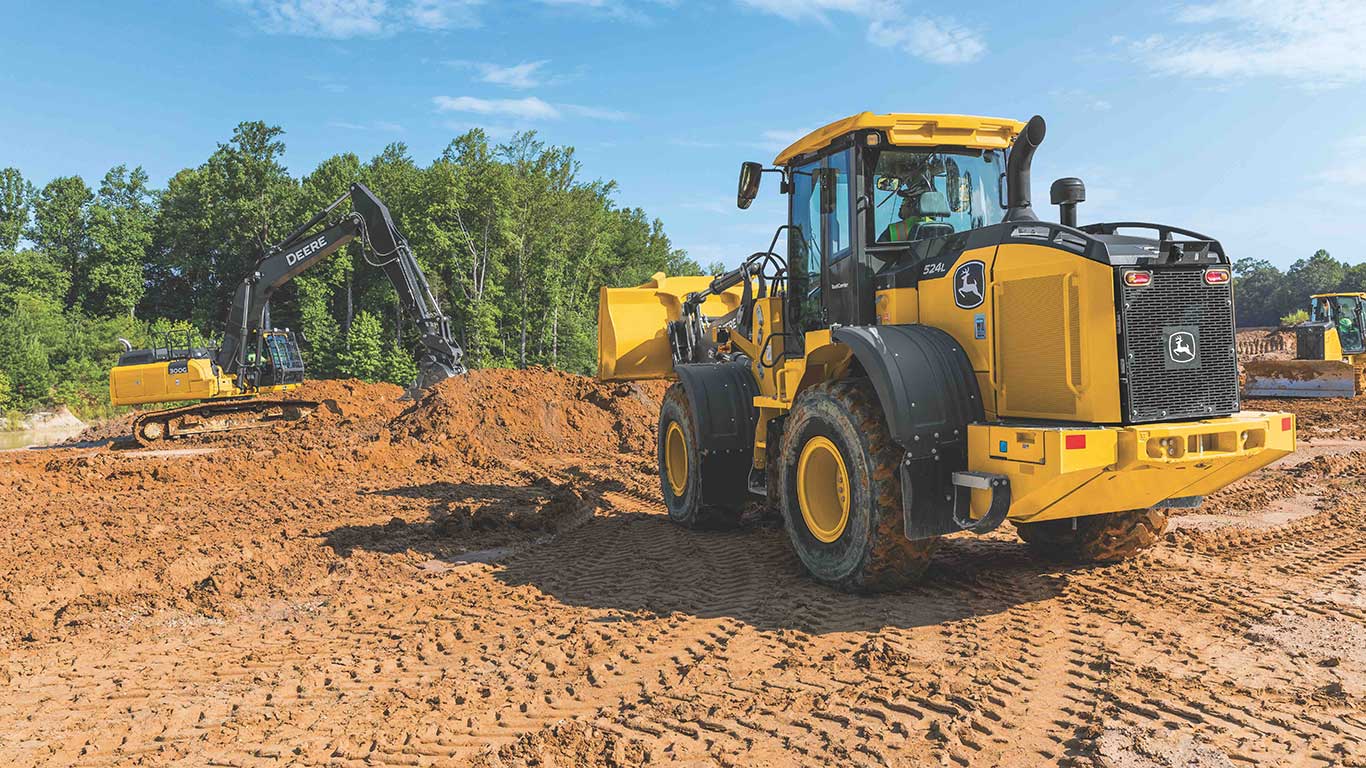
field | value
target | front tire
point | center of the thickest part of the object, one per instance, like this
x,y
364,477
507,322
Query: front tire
x,y
1107,538
680,470
841,491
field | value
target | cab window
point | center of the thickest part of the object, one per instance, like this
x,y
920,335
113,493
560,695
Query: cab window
x,y
921,194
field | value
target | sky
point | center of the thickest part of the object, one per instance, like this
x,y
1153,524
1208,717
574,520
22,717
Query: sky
x,y
1241,119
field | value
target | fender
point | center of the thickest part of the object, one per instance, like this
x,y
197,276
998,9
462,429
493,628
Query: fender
x,y
722,399
929,395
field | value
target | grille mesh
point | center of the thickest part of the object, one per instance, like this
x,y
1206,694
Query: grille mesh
x,y
1155,390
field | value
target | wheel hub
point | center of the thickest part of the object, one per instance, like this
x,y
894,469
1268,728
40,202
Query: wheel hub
x,y
823,489
676,459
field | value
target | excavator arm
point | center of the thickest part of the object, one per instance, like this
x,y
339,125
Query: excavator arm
x,y
370,223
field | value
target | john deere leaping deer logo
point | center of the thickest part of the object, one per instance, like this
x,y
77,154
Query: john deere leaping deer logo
x,y
968,285
1181,347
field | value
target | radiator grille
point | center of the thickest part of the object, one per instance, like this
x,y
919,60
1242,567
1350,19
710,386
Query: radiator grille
x,y
1033,355
1160,381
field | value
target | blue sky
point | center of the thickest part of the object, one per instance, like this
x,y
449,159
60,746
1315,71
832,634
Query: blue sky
x,y
1244,119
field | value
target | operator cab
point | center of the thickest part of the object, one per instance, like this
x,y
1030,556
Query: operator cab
x,y
1346,313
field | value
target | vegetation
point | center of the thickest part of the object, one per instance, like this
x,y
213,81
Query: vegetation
x,y
1267,296
513,240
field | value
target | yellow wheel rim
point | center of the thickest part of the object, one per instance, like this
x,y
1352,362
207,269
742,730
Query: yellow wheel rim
x,y
823,489
676,458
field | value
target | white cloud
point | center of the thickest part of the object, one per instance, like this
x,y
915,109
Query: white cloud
x,y
935,39
344,19
596,113
527,74
1349,168
777,141
444,14
530,108
377,125
1317,44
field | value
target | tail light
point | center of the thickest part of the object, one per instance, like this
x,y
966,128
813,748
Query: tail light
x,y
1136,278
1218,276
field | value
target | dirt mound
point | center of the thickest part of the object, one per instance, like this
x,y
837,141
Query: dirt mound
x,y
500,411
1343,418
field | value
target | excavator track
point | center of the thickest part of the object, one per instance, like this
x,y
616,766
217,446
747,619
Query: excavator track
x,y
156,427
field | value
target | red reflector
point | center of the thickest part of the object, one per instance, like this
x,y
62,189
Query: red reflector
x,y
1074,442
1136,277
1286,423
1217,277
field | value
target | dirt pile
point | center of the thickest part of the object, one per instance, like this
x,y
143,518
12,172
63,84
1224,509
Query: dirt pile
x,y
535,411
486,576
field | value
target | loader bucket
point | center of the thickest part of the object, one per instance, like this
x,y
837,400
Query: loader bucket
x,y
633,341
1299,378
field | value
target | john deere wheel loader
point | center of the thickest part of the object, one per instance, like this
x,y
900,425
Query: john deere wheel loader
x,y
1330,354
256,359
931,358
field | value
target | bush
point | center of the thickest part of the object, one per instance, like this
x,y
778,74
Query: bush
x,y
1296,317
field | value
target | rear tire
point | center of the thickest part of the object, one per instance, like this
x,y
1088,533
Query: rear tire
x,y
1106,538
841,491
680,470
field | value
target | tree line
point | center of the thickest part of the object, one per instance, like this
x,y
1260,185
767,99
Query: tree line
x,y
1266,296
514,241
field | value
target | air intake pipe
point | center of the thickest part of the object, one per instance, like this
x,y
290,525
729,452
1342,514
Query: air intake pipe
x,y
1017,170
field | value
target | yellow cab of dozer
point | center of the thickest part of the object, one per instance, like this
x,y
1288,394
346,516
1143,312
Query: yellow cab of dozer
x,y
930,357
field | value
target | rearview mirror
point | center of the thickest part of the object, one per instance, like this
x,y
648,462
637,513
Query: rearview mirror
x,y
750,173
827,178
888,183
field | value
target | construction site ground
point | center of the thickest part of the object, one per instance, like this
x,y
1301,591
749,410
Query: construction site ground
x,y
487,577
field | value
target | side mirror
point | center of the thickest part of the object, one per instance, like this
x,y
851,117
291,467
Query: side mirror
x,y
1066,193
827,178
750,173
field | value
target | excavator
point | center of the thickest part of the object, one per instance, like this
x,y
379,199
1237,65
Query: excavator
x,y
1330,353
929,357
239,383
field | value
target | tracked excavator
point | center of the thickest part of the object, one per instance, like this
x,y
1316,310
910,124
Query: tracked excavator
x,y
1330,353
929,357
239,383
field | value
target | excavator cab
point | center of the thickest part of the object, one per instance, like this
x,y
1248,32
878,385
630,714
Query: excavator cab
x,y
279,363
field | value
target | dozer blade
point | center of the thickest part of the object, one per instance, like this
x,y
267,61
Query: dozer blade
x,y
633,339
1299,378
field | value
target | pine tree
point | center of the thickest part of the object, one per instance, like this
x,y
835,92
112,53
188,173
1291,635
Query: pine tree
x,y
362,357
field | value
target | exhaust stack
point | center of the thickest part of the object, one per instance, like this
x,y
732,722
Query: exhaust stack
x,y
1017,170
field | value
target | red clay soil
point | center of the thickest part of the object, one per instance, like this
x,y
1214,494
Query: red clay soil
x,y
486,577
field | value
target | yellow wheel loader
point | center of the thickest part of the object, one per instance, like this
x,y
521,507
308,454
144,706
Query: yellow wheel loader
x,y
1330,354
930,358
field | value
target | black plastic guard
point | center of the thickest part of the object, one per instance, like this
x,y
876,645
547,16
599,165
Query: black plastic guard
x,y
722,398
929,394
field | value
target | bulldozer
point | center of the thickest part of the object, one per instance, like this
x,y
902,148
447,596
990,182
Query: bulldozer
x,y
1330,354
238,384
929,358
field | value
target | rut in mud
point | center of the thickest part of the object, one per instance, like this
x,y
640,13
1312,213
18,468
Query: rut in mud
x,y
486,576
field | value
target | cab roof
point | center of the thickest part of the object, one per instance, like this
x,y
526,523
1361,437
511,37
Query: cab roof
x,y
911,130
1337,295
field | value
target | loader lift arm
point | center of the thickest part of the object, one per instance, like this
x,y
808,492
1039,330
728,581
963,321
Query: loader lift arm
x,y
370,223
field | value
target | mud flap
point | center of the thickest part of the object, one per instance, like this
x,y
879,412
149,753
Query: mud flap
x,y
722,400
936,511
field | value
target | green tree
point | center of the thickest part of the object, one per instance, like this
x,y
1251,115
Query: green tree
x,y
120,232
362,357
61,223
397,366
7,400
15,197
31,273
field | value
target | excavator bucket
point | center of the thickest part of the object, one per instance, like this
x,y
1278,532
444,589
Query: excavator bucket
x,y
633,339
1301,378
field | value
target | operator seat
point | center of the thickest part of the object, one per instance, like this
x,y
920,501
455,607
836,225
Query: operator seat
x,y
936,205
